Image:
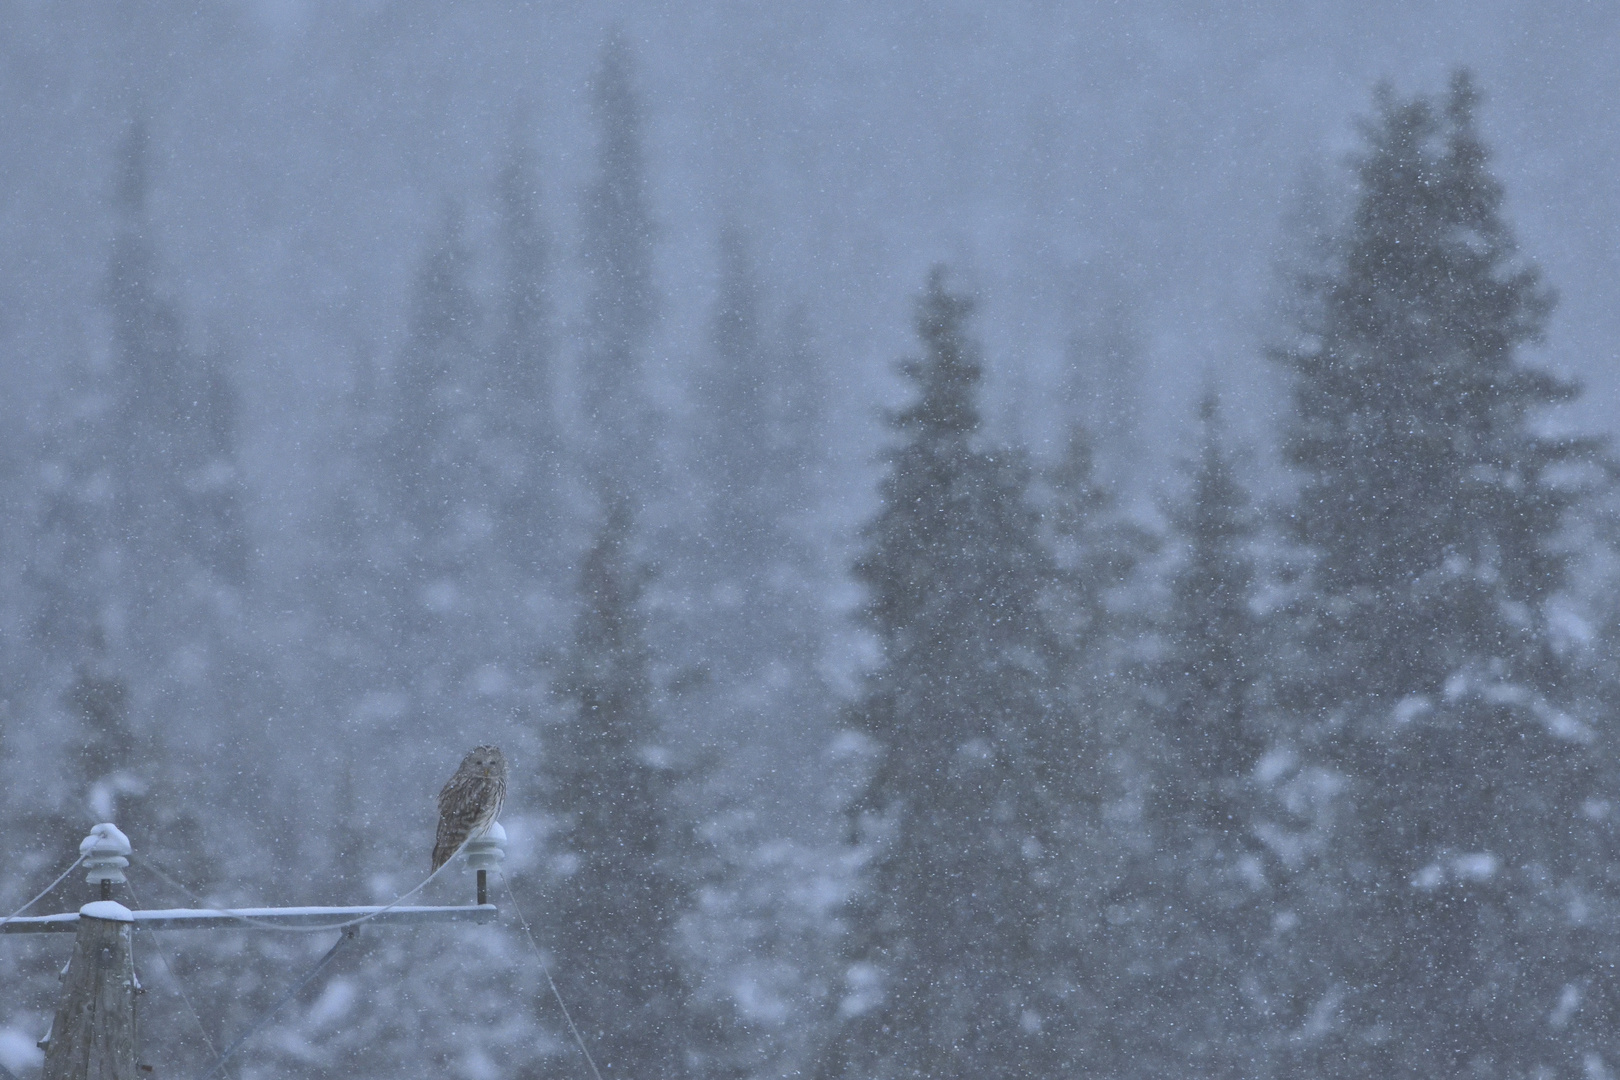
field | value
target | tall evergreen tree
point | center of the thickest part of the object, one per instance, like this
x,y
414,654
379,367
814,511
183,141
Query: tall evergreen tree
x,y
440,399
357,574
1097,549
439,493
525,447
1102,632
736,441
1209,873
1210,671
1105,362
757,446
621,308
761,402
951,972
1434,506
176,415
139,541
625,848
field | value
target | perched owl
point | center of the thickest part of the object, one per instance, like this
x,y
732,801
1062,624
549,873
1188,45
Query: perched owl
x,y
470,802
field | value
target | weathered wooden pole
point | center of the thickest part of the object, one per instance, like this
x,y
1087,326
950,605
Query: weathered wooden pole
x,y
93,1034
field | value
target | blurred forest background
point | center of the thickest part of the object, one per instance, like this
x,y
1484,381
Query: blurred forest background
x,y
1000,540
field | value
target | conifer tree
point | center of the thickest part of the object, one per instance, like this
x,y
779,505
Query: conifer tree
x,y
138,539
1433,504
1210,671
525,443
1209,874
1096,550
175,418
620,310
735,395
625,848
358,572
439,494
1105,362
758,444
951,973
762,409
440,399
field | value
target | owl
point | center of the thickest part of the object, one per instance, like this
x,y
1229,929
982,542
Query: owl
x,y
470,802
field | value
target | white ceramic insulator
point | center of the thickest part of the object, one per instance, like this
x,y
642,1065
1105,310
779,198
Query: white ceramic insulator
x,y
105,852
486,851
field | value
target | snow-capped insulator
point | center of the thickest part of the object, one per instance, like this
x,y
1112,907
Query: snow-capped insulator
x,y
105,853
486,851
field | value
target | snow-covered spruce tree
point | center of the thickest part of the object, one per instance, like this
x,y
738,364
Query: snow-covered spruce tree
x,y
137,545
1105,361
355,574
524,447
1102,629
1210,668
1092,536
439,385
620,309
950,970
1434,506
625,850
439,494
734,391
1097,549
757,445
1208,869
176,413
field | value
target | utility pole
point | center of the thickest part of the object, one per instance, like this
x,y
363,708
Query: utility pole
x,y
93,1035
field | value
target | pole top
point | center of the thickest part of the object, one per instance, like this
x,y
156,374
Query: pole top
x,y
486,851
105,853
109,910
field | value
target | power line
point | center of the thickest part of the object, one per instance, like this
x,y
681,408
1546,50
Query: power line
x,y
266,925
174,976
349,934
538,955
43,892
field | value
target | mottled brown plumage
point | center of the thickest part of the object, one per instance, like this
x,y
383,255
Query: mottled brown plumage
x,y
470,802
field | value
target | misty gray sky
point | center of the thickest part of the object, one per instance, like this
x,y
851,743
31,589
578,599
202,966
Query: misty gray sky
x,y
304,152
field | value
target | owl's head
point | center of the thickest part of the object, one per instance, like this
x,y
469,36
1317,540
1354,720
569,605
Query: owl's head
x,y
485,761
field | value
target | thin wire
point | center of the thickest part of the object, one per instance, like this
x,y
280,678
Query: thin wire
x,y
263,924
173,976
43,892
347,936
538,955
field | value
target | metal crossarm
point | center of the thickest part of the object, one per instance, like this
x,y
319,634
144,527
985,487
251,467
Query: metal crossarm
x,y
291,918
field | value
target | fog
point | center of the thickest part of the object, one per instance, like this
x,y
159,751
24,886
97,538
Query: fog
x,y
297,511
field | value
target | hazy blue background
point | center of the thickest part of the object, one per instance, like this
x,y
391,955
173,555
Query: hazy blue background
x,y
303,152
1137,170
